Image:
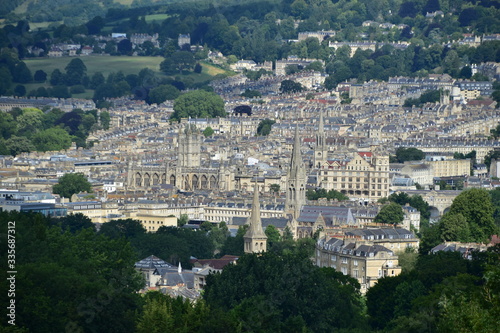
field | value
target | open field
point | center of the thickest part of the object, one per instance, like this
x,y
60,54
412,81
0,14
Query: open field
x,y
103,64
109,64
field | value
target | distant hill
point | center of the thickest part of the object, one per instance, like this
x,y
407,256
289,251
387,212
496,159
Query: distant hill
x,y
66,10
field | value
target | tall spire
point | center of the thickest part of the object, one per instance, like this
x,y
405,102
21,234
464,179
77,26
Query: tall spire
x,y
255,229
255,239
297,164
296,180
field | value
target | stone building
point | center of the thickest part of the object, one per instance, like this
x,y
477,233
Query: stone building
x,y
364,176
365,254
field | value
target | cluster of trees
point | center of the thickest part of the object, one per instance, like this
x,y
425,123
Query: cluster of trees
x,y
198,104
443,293
30,129
322,193
265,126
470,219
430,96
279,291
407,154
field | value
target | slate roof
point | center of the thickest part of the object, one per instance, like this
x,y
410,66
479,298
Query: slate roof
x,y
152,263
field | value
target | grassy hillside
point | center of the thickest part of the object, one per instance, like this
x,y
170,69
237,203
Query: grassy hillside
x,y
103,64
109,64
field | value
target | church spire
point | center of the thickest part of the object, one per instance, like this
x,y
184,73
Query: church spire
x,y
296,180
255,238
297,164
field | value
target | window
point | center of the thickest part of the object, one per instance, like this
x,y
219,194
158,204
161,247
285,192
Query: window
x,y
344,270
344,260
355,262
334,258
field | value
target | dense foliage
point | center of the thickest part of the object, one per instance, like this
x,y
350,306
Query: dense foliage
x,y
322,193
283,293
444,293
31,129
407,154
198,104
72,183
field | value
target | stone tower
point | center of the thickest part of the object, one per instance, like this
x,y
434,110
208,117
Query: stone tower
x,y
189,152
321,151
255,239
296,180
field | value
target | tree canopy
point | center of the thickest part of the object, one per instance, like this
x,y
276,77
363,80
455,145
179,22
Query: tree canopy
x,y
70,184
391,213
198,104
269,287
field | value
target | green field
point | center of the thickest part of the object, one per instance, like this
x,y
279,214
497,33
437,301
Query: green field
x,y
109,64
103,64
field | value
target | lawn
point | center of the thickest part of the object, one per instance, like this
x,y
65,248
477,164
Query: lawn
x,y
103,64
109,64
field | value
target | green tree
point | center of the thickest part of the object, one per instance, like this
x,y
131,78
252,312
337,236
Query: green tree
x,y
251,93
70,184
198,104
40,76
289,86
273,235
50,261
128,228
105,119
476,207
409,154
268,287
182,220
51,139
163,93
208,132
275,188
76,66
264,127
390,214
17,145
454,227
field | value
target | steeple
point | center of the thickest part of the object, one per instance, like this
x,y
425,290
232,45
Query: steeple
x,y
321,151
296,180
255,238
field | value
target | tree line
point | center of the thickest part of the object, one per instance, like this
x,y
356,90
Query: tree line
x,y
32,129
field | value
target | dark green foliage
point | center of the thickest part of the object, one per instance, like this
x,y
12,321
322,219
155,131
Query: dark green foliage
x,y
289,86
411,294
52,139
476,207
70,184
493,154
322,193
40,76
198,104
197,68
179,61
408,154
415,201
390,214
163,93
264,127
50,262
251,93
128,228
430,96
19,90
285,290
208,131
